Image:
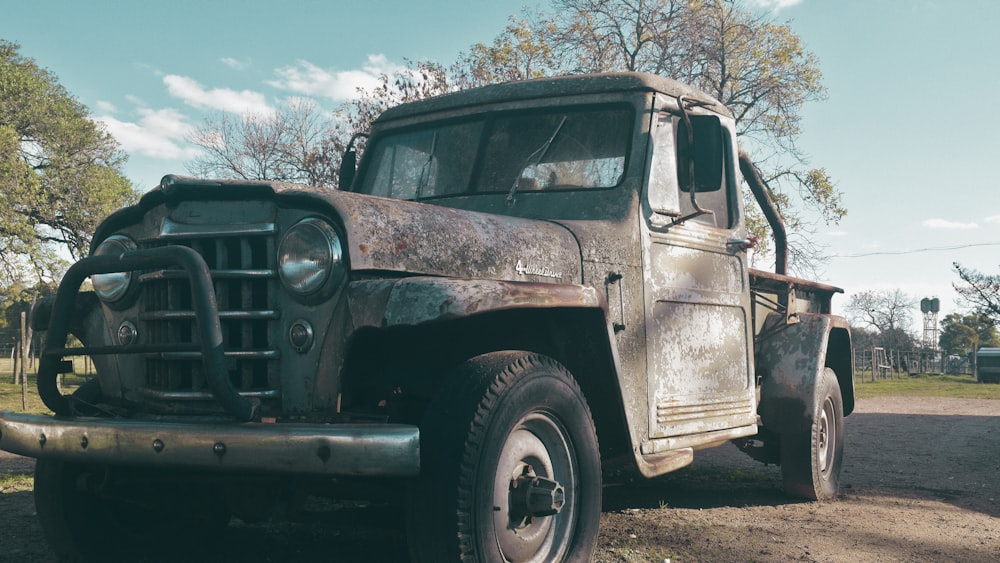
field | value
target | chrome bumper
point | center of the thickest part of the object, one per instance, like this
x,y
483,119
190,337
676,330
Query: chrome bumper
x,y
317,449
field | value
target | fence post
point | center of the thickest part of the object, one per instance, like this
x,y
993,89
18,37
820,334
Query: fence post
x,y
872,361
23,352
15,356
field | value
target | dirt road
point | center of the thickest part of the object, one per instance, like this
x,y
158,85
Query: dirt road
x,y
921,482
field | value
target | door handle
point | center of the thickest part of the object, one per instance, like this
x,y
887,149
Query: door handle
x,y
741,244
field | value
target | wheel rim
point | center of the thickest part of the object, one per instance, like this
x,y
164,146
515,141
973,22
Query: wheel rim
x,y
826,437
538,446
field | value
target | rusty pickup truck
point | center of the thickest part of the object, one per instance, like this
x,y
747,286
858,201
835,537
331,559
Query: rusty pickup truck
x,y
516,289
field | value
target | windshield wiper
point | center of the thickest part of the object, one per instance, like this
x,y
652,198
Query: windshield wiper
x,y
425,175
533,159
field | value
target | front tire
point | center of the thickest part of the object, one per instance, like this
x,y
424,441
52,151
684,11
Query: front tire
x,y
86,514
510,467
70,520
811,461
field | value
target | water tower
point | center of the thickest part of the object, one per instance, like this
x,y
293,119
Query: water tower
x,y
930,306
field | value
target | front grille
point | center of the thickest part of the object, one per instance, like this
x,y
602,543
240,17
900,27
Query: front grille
x,y
242,265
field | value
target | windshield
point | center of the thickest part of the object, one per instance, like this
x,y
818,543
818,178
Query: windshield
x,y
500,153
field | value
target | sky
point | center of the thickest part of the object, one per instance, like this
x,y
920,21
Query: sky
x,y
906,130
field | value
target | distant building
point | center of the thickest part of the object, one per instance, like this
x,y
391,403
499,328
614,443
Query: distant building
x,y
988,365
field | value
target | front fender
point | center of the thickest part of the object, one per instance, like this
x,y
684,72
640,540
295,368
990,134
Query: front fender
x,y
423,299
790,361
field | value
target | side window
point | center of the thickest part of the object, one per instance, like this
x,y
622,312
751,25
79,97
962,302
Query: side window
x,y
718,200
668,190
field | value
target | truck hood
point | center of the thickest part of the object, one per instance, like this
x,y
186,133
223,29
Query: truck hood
x,y
417,238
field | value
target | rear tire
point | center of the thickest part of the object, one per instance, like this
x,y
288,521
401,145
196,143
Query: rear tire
x,y
508,440
811,461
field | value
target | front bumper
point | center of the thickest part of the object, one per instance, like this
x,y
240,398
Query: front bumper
x,y
316,449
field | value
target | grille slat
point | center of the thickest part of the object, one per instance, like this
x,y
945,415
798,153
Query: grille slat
x,y
246,302
236,355
241,261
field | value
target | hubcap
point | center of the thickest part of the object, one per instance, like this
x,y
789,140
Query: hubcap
x,y
534,508
533,496
825,438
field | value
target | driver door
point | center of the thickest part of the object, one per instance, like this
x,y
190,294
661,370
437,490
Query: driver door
x,y
697,303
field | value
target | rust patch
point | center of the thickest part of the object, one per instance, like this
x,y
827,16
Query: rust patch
x,y
423,299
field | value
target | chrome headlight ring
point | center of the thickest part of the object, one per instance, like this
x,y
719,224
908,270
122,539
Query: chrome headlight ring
x,y
310,255
113,286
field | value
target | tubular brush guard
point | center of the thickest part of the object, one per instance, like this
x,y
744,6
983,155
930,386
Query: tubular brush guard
x,y
206,313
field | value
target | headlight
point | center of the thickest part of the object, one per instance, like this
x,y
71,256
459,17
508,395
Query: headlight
x,y
111,287
309,255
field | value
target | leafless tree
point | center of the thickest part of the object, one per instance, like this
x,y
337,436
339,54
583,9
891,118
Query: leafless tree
x,y
881,310
296,143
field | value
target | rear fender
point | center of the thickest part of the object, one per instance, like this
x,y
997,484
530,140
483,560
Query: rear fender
x,y
791,361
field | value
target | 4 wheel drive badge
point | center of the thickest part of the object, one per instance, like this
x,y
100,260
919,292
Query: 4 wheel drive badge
x,y
531,270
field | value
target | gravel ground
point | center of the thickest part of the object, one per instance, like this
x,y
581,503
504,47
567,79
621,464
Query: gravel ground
x,y
920,483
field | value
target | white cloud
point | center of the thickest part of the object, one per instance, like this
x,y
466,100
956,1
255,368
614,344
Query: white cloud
x,y
168,122
776,5
236,64
224,99
106,107
311,80
157,133
836,233
950,225
993,219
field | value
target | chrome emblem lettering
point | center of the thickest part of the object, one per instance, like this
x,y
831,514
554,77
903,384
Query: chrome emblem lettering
x,y
544,271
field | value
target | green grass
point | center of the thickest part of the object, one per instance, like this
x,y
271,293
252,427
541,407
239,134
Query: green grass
x,y
10,393
13,482
957,386
10,398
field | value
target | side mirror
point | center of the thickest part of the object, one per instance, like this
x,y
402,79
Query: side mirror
x,y
349,163
700,154
348,167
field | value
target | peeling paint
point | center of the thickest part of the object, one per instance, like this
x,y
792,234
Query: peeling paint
x,y
700,372
414,301
416,238
790,362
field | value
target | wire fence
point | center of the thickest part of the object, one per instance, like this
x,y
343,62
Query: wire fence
x,y
872,364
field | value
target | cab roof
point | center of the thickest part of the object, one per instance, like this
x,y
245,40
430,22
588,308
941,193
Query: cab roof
x,y
553,87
